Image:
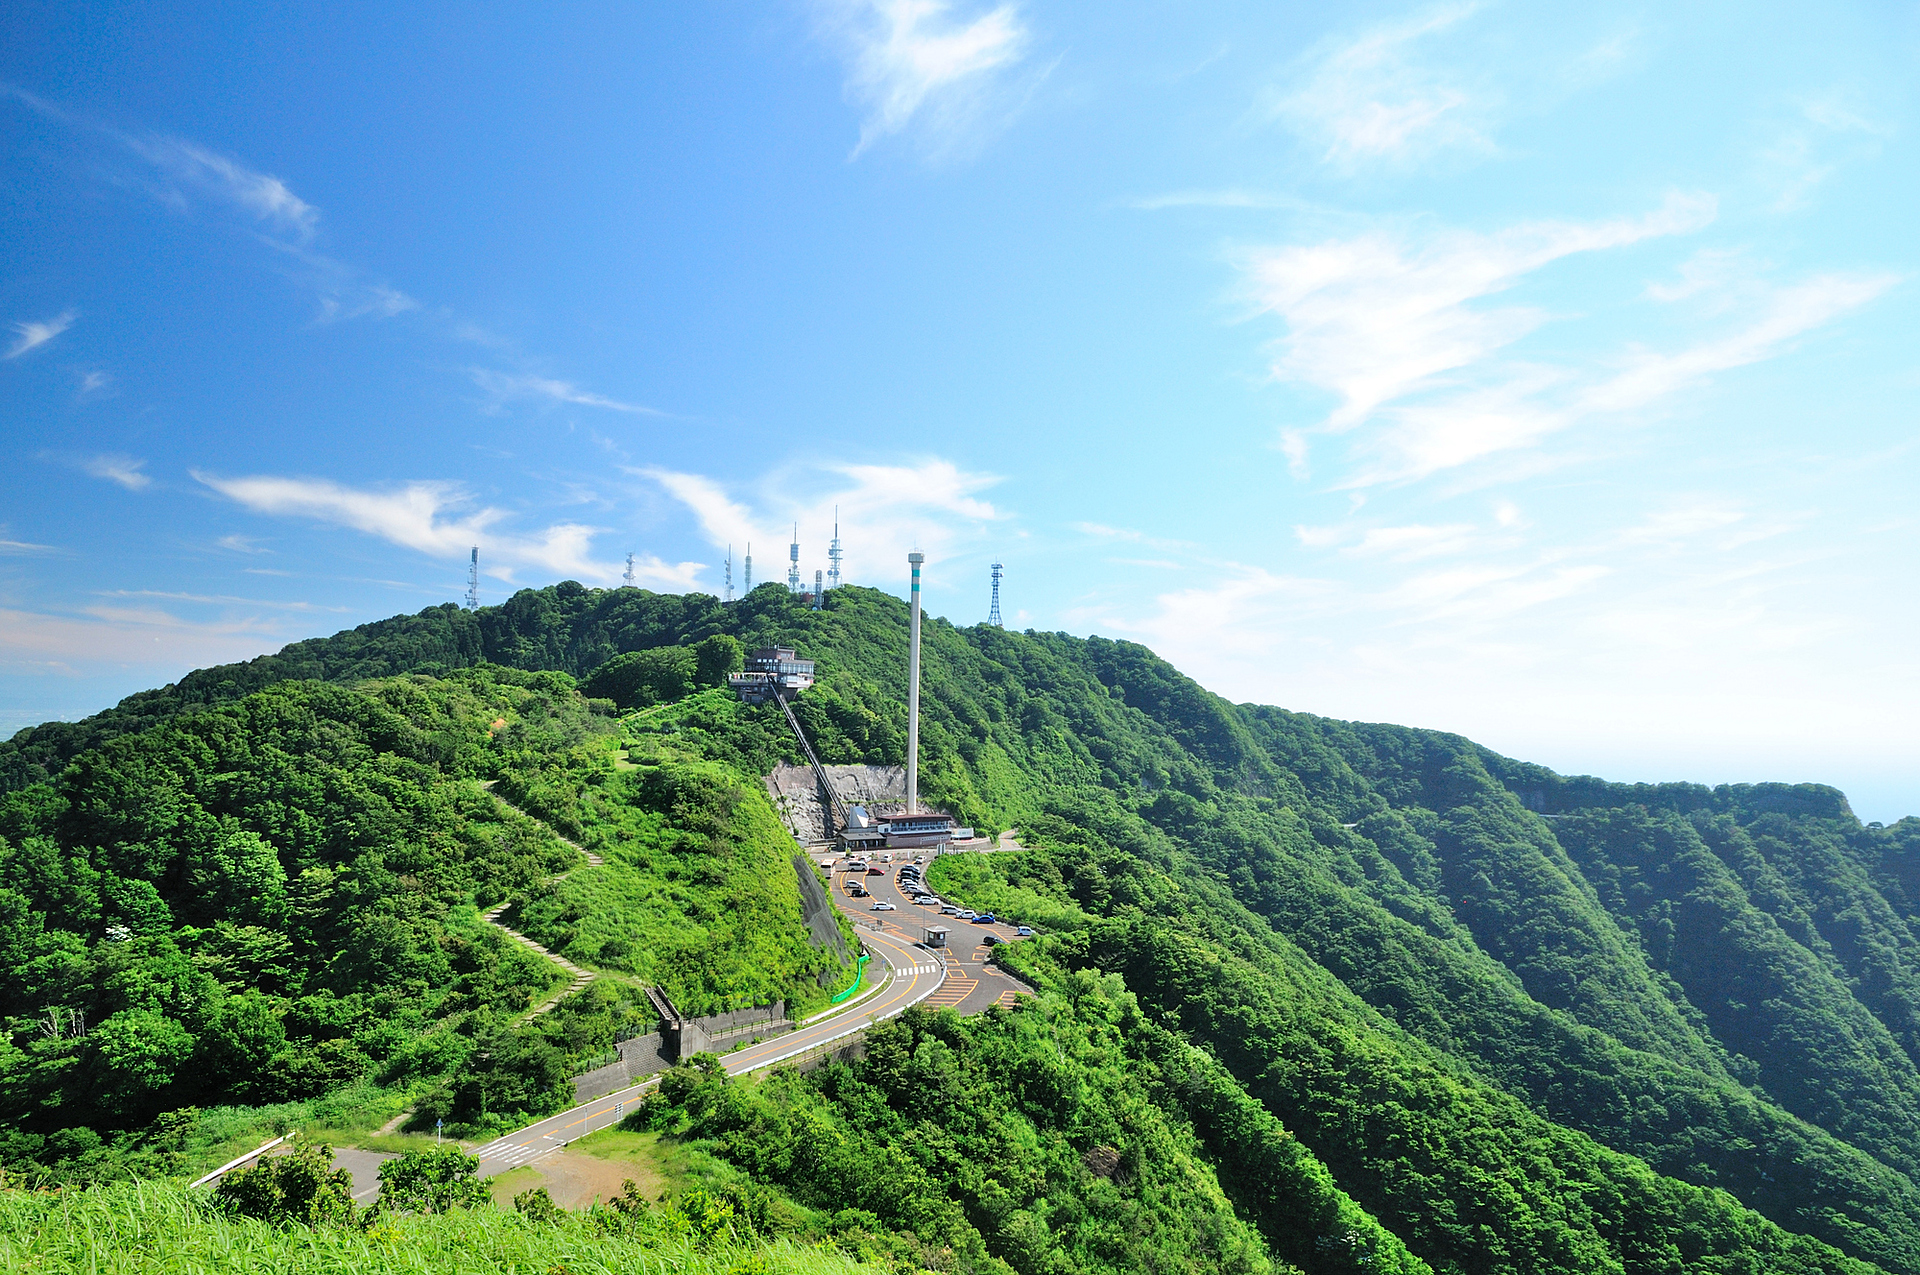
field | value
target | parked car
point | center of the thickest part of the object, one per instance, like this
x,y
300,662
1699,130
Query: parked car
x,y
884,906
858,892
985,918
947,909
1024,931
876,871
991,939
967,914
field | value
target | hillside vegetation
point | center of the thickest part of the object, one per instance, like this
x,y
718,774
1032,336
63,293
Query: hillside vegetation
x,y
1373,995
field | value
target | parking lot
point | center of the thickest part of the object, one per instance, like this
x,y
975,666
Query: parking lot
x,y
972,984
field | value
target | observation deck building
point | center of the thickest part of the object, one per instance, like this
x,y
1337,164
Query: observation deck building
x,y
772,670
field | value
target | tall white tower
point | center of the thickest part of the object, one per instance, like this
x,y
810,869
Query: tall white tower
x,y
819,589
729,597
793,561
629,575
914,559
473,580
746,586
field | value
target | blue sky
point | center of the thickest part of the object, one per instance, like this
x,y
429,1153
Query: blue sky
x,y
1547,376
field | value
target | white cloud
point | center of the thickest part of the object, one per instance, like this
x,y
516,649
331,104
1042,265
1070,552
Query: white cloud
x,y
884,511
354,299
1827,132
1231,197
215,599
1785,314
1369,98
127,637
33,335
914,58
1371,318
119,468
1389,328
502,387
22,548
95,382
425,517
241,544
266,198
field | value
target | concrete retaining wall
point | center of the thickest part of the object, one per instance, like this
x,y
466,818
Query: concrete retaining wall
x,y
656,1051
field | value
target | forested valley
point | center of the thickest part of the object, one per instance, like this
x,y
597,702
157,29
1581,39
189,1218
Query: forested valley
x,y
1309,994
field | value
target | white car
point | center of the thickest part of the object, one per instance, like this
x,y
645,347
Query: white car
x,y
884,906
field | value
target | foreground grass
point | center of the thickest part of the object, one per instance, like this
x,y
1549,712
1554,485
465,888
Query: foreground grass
x,y
160,1228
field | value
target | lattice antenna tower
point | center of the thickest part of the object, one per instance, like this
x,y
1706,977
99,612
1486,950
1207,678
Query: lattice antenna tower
x,y
993,612
729,597
473,580
793,561
629,575
747,586
833,553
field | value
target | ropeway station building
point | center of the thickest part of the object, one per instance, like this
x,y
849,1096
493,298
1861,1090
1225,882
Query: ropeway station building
x,y
770,671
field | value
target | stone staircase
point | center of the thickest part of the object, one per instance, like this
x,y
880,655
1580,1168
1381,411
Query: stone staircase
x,y
580,977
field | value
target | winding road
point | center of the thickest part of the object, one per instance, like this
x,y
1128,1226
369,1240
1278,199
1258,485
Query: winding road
x,y
917,974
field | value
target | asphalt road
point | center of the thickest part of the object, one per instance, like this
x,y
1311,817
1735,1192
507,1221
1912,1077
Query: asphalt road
x,y
917,974
971,984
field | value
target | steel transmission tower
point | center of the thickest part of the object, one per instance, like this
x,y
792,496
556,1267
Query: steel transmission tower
x,y
629,576
793,556
993,613
729,597
833,553
473,580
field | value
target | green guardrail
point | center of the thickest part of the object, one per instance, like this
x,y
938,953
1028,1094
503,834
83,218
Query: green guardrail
x,y
859,972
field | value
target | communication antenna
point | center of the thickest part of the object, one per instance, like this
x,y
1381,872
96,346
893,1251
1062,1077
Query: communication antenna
x,y
747,587
629,571
793,556
993,613
473,580
833,553
819,590
729,573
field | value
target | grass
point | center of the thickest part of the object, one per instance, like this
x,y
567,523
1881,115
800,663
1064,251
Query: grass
x,y
511,1183
159,1228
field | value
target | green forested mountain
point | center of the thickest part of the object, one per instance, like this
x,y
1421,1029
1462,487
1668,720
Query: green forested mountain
x,y
1355,987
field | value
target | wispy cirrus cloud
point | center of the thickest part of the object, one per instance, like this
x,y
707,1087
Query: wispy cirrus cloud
x,y
101,638
188,166
118,467
502,387
31,335
440,520
1825,133
1393,327
1372,317
1226,197
191,177
916,59
1371,98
